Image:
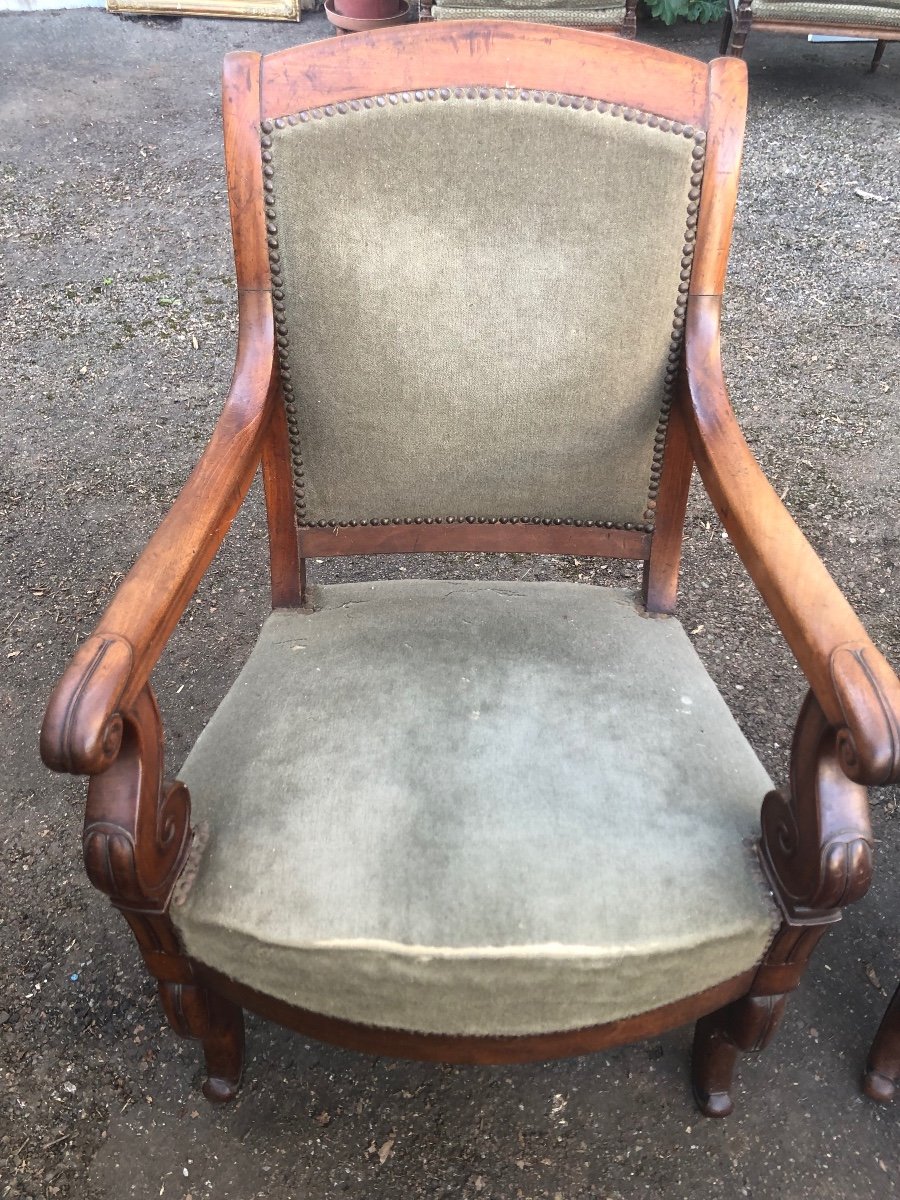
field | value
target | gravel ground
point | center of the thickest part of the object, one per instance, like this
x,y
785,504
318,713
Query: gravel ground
x,y
118,324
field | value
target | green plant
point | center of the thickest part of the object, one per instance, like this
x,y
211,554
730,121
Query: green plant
x,y
668,11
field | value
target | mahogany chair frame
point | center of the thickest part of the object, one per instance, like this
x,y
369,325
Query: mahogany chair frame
x,y
739,18
103,721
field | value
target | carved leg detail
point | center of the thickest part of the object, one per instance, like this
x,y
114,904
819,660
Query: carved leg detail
x,y
223,1050
629,28
735,28
712,1065
137,835
195,1012
747,1024
883,1066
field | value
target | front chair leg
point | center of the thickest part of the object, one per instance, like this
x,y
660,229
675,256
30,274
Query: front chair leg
x,y
876,57
194,1011
748,1024
137,838
712,1064
883,1066
816,851
735,27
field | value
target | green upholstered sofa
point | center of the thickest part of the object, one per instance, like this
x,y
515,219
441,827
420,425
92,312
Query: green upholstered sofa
x,y
610,16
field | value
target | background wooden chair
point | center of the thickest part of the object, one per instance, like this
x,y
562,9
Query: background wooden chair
x,y
458,821
836,17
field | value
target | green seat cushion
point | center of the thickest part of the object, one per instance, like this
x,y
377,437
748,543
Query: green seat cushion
x,y
474,808
852,13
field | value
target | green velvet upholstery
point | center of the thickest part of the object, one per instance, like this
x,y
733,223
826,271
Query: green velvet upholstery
x,y
574,15
475,808
477,299
852,13
510,7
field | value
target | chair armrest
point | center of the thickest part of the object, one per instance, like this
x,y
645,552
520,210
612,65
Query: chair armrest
x,y
82,727
856,688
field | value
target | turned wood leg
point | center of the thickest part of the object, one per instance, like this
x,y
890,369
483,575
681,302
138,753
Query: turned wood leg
x,y
876,57
712,1065
735,28
816,853
218,1025
883,1066
629,28
137,837
746,1025
223,1050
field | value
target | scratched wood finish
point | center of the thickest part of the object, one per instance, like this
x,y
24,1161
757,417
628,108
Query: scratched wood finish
x,y
724,117
493,53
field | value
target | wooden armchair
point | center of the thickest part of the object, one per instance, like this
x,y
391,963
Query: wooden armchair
x,y
480,269
842,18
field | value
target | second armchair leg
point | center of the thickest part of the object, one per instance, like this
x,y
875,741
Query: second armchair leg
x,y
883,1066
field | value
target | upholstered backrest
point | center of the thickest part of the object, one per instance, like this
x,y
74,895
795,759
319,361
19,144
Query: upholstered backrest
x,y
479,298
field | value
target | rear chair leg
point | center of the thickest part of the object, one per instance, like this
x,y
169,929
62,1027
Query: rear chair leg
x,y
876,57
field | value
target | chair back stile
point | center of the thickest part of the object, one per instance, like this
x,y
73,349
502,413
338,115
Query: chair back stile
x,y
470,359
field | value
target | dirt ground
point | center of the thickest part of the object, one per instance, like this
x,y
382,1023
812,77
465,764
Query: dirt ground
x,y
117,322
